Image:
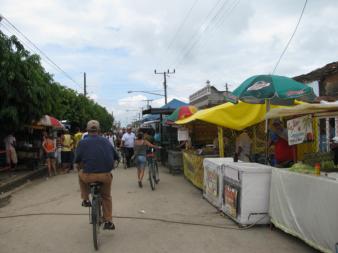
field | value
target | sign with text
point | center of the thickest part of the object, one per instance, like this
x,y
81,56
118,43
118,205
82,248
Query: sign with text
x,y
300,130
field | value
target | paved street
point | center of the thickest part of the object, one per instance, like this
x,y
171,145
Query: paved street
x,y
174,199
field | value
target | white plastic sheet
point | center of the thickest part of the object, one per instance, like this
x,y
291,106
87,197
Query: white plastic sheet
x,y
305,206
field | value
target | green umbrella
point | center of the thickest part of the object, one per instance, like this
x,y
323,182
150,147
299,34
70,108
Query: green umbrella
x,y
279,90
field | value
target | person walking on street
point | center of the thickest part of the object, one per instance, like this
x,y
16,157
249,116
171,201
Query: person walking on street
x,y
77,137
128,140
140,153
97,156
10,143
66,151
50,149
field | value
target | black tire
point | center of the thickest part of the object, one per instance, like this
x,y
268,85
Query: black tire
x,y
156,174
152,176
95,222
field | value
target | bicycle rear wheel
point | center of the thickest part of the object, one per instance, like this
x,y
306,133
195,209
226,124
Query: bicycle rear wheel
x,y
96,222
156,174
152,175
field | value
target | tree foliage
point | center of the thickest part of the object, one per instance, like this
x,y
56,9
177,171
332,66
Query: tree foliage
x,y
27,92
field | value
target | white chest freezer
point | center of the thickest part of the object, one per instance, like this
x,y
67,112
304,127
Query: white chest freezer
x,y
213,179
246,191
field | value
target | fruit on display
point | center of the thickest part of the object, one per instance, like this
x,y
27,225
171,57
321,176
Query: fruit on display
x,y
302,168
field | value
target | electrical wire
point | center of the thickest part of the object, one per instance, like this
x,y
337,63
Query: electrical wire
x,y
27,46
40,51
195,36
293,34
182,24
206,27
140,218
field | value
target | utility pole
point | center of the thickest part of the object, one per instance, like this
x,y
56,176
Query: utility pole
x,y
85,84
164,73
148,102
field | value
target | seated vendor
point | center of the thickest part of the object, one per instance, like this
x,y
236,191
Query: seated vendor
x,y
284,154
243,146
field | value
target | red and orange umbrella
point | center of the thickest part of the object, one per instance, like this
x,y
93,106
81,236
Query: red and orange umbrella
x,y
181,112
50,121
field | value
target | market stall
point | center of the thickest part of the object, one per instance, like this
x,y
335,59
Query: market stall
x,y
217,126
303,199
29,141
175,155
199,145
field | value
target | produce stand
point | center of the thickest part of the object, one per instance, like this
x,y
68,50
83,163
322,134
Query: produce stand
x,y
29,146
305,206
303,200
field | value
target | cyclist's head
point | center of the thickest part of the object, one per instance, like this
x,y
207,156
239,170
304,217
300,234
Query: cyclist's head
x,y
140,136
93,126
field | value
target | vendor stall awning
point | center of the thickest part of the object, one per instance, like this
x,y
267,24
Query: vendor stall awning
x,y
228,115
301,110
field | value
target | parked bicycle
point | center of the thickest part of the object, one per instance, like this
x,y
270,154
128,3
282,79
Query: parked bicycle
x,y
95,212
154,177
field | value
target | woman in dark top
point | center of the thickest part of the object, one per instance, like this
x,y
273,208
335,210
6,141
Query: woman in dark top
x,y
140,153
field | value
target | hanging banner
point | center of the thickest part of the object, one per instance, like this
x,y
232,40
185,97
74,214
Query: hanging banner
x,y
182,134
300,130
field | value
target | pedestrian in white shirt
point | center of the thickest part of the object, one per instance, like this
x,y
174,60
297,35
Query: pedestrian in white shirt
x,y
11,156
128,140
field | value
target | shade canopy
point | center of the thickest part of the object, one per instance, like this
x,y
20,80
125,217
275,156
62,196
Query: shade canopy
x,y
301,109
181,113
278,90
229,115
50,121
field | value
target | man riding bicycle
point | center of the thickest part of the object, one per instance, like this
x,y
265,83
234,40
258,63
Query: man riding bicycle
x,y
96,155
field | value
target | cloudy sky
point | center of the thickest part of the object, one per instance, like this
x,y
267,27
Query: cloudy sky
x,y
119,43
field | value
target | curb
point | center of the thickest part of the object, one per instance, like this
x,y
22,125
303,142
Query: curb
x,y
10,185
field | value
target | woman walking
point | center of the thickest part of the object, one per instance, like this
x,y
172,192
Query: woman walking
x,y
140,153
49,147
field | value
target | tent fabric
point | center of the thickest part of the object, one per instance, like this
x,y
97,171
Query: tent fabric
x,y
174,104
301,110
229,115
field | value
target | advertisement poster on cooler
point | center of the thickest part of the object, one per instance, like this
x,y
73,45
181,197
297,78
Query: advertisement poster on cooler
x,y
212,183
231,200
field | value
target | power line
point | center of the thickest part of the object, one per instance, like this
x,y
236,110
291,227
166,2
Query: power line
x,y
32,50
293,34
182,24
204,27
41,52
195,35
220,21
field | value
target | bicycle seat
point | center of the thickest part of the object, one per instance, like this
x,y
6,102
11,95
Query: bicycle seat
x,y
95,184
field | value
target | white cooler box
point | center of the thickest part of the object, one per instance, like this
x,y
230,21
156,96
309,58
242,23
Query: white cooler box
x,y
213,179
246,191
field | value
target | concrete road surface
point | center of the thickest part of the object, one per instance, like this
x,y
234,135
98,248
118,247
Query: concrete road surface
x,y
174,199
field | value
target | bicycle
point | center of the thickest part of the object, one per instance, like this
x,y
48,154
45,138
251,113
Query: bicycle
x,y
95,211
154,177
